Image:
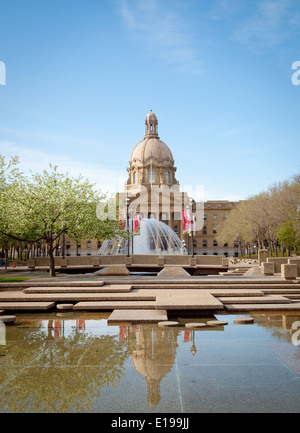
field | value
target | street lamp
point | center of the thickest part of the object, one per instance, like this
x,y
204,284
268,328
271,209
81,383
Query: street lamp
x,y
193,348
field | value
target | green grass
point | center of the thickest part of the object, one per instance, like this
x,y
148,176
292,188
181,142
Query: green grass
x,y
12,280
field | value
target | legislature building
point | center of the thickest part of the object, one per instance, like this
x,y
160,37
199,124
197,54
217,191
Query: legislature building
x,y
151,170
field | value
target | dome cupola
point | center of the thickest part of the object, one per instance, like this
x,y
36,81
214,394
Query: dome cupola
x,y
151,161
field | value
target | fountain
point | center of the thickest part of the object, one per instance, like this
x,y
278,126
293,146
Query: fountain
x,y
155,237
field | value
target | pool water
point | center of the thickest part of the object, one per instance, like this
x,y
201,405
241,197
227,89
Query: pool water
x,y
74,362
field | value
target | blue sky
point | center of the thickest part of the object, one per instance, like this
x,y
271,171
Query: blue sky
x,y
81,75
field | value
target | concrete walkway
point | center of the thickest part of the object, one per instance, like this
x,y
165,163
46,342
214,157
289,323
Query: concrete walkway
x,y
149,299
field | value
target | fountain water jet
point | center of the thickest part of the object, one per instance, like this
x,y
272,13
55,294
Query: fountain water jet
x,y
155,237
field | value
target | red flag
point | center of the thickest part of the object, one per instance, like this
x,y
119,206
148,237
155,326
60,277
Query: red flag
x,y
136,224
186,220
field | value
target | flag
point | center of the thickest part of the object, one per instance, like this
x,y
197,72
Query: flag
x,y
137,224
186,220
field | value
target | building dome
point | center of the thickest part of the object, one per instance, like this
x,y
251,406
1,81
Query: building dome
x,y
151,161
151,117
151,146
159,150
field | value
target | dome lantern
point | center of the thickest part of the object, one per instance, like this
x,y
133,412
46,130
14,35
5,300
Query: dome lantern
x,y
151,125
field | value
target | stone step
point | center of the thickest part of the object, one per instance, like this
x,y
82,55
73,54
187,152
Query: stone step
x,y
73,297
233,285
193,281
30,306
39,284
108,288
188,301
255,300
282,291
115,305
262,307
136,316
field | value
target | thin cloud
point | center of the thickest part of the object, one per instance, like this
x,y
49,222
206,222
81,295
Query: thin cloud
x,y
267,27
163,31
31,160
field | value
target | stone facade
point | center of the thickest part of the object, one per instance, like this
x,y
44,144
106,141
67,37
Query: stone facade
x,y
151,166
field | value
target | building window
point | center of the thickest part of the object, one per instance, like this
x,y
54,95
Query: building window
x,y
215,254
204,217
214,230
215,243
224,217
204,244
99,244
215,217
165,216
89,244
176,229
151,216
225,245
135,177
151,176
167,177
204,231
177,216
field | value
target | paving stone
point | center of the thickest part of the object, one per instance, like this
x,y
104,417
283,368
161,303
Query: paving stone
x,y
72,297
195,325
137,316
255,300
114,305
217,323
188,300
168,323
243,320
64,306
26,305
7,319
116,288
262,307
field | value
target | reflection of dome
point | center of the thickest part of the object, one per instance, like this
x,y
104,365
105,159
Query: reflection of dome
x,y
153,352
151,143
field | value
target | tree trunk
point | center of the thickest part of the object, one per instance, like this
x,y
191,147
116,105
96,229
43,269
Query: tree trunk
x,y
52,261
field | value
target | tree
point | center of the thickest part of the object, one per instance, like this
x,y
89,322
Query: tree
x,y
8,174
45,206
260,218
288,236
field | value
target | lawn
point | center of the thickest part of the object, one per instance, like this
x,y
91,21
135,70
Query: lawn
x,y
12,280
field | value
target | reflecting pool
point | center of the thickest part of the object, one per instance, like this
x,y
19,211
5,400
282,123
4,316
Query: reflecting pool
x,y
74,362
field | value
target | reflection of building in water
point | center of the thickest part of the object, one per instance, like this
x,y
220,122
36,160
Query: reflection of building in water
x,y
153,353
